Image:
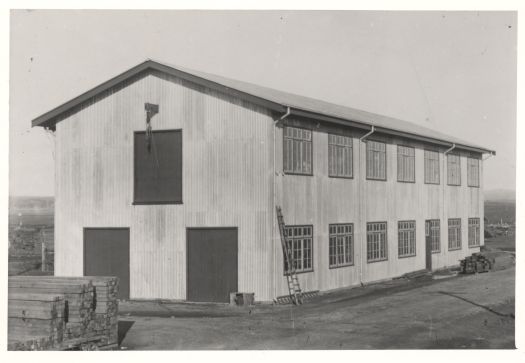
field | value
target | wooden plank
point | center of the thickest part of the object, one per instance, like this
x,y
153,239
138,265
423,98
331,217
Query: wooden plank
x,y
53,288
22,295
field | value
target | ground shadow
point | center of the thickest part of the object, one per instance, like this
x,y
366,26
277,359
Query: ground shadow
x,y
123,328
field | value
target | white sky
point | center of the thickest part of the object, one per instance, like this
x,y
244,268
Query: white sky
x,y
454,72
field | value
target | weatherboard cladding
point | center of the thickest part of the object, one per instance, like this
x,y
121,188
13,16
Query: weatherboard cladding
x,y
270,98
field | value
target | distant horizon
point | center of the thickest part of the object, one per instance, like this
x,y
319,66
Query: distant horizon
x,y
52,196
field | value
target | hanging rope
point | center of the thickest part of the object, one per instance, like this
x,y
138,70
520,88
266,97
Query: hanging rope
x,y
151,110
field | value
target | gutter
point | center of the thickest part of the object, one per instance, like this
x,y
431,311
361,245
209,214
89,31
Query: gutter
x,y
372,130
288,111
449,149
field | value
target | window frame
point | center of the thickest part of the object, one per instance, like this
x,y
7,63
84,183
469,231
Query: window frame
x,y
448,169
311,150
367,156
413,157
164,202
426,181
477,228
351,147
469,178
368,260
399,231
343,235
458,227
287,238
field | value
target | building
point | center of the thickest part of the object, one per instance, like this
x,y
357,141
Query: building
x,y
169,179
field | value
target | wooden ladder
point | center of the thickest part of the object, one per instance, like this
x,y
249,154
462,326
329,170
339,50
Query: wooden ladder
x,y
294,289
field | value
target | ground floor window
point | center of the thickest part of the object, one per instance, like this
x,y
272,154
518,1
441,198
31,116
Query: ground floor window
x,y
433,232
376,241
406,238
473,232
341,245
299,245
454,234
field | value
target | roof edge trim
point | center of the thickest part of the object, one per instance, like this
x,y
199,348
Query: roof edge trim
x,y
50,118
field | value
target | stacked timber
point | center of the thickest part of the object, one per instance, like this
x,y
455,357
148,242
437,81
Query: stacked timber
x,y
79,296
106,307
103,321
35,321
90,315
476,263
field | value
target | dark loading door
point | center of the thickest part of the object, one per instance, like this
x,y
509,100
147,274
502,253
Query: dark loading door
x,y
211,264
428,246
106,253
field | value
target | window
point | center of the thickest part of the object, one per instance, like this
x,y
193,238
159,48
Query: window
x,y
473,172
406,238
299,243
339,156
431,167
375,160
453,169
376,241
341,245
473,232
158,167
454,234
406,170
297,151
433,232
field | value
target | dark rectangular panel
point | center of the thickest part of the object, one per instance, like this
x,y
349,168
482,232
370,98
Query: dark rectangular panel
x,y
158,167
428,246
211,264
106,253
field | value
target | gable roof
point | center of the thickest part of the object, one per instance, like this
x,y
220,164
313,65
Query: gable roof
x,y
275,100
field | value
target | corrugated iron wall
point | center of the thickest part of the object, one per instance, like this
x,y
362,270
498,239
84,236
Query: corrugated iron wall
x,y
227,171
320,200
228,182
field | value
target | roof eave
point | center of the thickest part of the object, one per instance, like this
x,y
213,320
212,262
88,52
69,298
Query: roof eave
x,y
49,119
387,131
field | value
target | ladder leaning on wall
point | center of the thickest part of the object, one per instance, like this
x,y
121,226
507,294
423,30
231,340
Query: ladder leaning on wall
x,y
294,289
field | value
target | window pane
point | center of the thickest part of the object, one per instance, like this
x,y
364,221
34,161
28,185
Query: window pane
x,y
341,248
297,150
340,155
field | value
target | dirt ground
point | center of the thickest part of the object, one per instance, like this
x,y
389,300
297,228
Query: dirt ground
x,y
473,311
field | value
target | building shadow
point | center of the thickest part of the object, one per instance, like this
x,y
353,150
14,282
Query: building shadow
x,y
123,328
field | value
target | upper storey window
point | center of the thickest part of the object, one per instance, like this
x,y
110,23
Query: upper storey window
x,y
297,151
431,167
406,164
339,156
453,169
375,160
473,172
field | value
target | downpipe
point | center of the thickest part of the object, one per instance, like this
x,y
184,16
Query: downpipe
x,y
362,204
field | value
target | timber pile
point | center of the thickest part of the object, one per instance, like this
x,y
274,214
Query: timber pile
x,y
91,313
105,316
35,321
476,263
